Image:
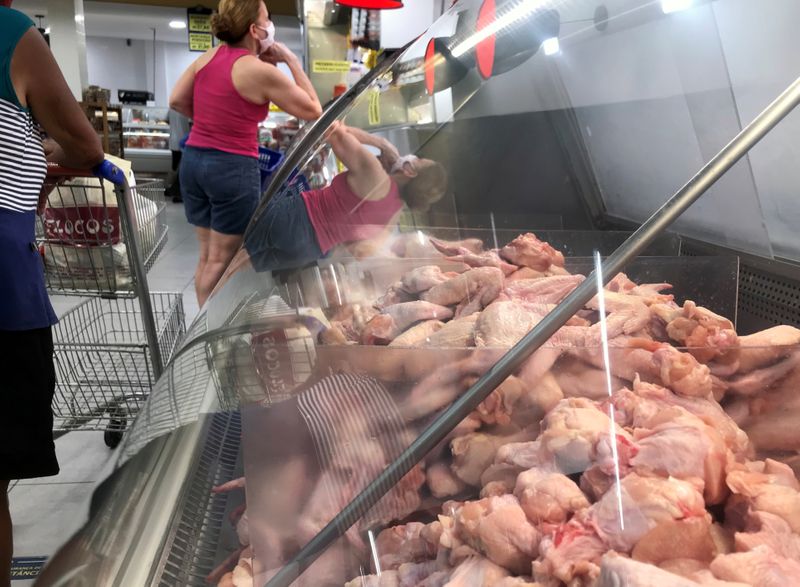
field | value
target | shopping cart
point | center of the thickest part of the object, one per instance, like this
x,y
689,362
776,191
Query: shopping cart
x,y
85,233
98,237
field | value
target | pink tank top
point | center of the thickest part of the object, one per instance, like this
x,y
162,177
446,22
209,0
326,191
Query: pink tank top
x,y
340,216
223,119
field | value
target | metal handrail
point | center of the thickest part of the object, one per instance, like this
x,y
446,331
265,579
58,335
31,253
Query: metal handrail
x,y
436,432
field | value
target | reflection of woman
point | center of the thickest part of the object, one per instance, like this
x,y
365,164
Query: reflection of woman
x,y
357,206
226,93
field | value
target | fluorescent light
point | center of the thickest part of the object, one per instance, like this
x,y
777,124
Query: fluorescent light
x,y
551,46
177,24
669,6
47,31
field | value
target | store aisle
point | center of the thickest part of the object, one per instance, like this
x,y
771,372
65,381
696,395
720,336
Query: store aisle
x,y
46,512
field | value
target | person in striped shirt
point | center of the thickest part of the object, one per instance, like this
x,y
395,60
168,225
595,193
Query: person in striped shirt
x,y
33,96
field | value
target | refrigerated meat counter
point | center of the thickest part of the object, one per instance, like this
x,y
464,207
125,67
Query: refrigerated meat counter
x,y
484,400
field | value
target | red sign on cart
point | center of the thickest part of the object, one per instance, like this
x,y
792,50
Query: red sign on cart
x,y
82,225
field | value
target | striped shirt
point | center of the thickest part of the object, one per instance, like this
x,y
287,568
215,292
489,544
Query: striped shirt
x,y
22,163
357,431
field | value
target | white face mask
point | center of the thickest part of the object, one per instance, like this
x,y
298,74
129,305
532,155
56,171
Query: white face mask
x,y
398,165
269,40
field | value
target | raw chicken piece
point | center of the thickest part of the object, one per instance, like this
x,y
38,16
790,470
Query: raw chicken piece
x,y
396,294
626,315
412,574
528,251
775,490
766,347
485,295
404,544
572,437
658,398
649,292
424,278
646,501
455,290
771,531
577,546
778,431
386,579
472,454
708,335
526,273
504,324
498,528
548,498
442,482
442,386
673,540
547,290
571,554
418,335
486,259
579,379
524,455
618,571
417,245
760,567
679,444
387,326
682,373
760,380
457,333
350,320
476,572
537,399
450,248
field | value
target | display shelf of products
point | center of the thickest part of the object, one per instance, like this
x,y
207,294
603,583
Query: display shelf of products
x,y
106,120
146,135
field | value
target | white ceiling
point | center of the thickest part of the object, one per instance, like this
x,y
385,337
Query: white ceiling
x,y
129,21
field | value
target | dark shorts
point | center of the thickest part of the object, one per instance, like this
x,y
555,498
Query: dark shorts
x,y
27,385
220,190
282,237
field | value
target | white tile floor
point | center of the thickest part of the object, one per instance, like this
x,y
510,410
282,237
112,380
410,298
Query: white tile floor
x,y
45,512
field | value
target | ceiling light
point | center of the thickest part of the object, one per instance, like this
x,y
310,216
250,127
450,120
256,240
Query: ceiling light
x,y
551,46
47,31
177,24
669,6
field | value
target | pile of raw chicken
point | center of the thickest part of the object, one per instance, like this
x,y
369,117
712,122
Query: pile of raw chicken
x,y
670,463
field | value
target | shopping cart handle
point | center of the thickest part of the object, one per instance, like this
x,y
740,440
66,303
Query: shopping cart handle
x,y
110,172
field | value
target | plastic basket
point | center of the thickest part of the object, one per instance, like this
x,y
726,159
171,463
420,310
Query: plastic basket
x,y
268,162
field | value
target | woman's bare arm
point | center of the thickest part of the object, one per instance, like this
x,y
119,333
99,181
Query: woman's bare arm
x,y
41,87
182,97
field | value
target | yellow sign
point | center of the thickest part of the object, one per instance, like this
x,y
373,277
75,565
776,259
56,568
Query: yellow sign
x,y
200,41
323,66
274,107
374,107
200,23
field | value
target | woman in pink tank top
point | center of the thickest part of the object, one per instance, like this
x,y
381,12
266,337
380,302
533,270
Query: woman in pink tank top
x,y
355,209
227,93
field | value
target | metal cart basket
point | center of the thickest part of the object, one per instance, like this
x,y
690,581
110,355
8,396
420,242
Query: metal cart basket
x,y
104,369
99,235
85,235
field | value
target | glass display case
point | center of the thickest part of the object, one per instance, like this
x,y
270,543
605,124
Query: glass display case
x,y
504,387
146,127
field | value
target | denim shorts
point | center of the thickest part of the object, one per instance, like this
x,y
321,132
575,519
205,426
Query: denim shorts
x,y
220,190
282,236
